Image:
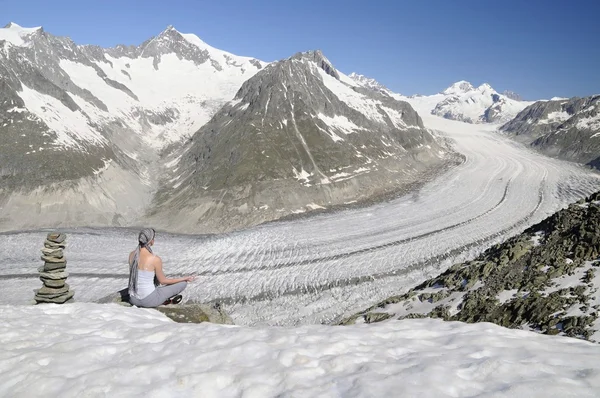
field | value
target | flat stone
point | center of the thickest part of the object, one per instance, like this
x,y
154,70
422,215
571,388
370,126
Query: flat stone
x,y
50,271
56,237
57,253
50,291
50,259
49,267
52,245
56,300
54,283
57,274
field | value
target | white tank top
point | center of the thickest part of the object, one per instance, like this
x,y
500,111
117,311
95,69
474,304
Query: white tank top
x,y
145,283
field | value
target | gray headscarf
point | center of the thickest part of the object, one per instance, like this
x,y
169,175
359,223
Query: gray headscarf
x,y
145,236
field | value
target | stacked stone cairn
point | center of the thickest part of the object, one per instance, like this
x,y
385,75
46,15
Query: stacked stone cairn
x,y
53,273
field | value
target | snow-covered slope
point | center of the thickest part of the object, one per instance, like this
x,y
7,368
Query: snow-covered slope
x,y
461,101
98,350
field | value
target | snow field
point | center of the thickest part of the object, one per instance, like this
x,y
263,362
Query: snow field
x,y
87,349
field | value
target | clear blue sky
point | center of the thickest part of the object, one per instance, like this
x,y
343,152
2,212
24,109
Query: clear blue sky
x,y
539,49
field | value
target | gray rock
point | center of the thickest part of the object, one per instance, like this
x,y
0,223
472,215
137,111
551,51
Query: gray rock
x,y
195,313
373,317
56,300
54,283
52,245
55,253
56,237
51,259
56,274
51,291
57,267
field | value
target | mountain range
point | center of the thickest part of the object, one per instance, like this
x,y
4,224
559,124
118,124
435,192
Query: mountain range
x,y
565,128
190,137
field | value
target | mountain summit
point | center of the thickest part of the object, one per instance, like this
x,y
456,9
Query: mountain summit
x,y
464,102
299,135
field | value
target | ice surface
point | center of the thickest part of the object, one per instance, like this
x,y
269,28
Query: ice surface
x,y
107,350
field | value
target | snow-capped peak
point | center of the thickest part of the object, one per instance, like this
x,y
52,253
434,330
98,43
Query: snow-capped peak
x,y
17,35
486,88
459,87
371,83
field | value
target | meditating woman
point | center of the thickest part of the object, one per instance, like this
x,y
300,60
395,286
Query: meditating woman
x,y
143,267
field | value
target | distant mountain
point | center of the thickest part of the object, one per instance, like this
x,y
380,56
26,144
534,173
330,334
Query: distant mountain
x,y
461,101
105,136
566,128
547,280
512,95
299,135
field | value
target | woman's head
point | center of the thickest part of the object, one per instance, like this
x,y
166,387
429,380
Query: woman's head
x,y
146,237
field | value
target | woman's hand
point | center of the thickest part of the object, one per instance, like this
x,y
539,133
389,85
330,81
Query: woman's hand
x,y
189,278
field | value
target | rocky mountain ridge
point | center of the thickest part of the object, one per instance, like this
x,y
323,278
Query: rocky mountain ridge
x,y
565,128
547,279
298,135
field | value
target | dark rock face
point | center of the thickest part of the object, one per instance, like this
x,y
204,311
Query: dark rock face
x,y
545,279
295,135
567,129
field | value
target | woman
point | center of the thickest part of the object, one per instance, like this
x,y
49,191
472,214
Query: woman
x,y
143,267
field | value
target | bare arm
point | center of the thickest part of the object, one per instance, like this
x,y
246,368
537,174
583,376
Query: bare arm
x,y
162,279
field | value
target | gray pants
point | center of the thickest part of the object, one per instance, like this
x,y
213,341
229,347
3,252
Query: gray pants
x,y
159,295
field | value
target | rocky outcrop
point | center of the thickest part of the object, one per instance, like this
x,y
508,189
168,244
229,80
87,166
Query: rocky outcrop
x,y
181,313
53,273
567,128
546,279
